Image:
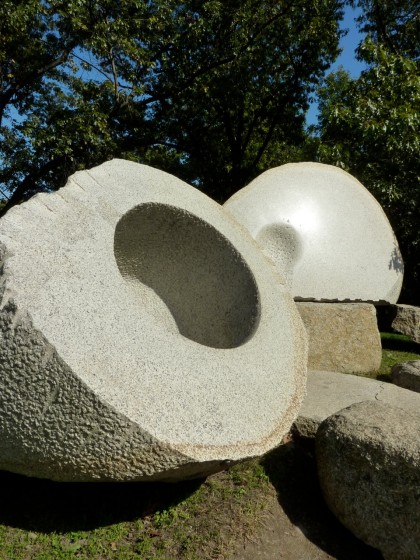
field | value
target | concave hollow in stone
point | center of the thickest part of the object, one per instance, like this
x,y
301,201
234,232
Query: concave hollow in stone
x,y
282,244
202,279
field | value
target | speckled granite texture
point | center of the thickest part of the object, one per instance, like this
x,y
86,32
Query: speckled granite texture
x,y
144,335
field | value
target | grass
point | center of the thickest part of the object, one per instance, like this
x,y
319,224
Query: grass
x,y
44,520
396,348
195,520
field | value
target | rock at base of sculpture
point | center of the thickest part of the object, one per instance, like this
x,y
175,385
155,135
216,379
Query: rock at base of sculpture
x,y
343,337
140,331
407,375
404,319
324,231
328,392
368,458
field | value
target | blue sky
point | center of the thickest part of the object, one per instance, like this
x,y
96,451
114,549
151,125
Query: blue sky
x,y
347,58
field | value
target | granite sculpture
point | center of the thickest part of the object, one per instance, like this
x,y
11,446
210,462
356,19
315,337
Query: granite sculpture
x,y
143,334
324,231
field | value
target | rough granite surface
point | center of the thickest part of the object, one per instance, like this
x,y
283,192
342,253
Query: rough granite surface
x,y
328,392
407,375
407,320
368,458
324,231
143,334
342,337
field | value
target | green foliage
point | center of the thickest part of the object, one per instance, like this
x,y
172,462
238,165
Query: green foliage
x,y
370,126
242,107
212,91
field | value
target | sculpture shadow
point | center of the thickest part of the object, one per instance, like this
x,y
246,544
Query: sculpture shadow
x,y
400,343
292,470
43,505
395,262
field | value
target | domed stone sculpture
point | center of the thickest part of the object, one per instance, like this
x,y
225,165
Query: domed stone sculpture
x,y
143,335
324,230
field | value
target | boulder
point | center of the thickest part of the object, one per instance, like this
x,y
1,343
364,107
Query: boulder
x,y
324,231
368,459
342,337
141,330
405,319
328,392
407,375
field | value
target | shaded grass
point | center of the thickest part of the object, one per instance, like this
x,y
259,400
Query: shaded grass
x,y
396,349
44,520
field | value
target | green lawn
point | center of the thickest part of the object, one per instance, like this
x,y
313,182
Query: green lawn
x,y
44,520
396,348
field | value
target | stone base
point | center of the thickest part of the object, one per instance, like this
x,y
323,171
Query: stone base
x,y
343,337
329,391
404,319
407,375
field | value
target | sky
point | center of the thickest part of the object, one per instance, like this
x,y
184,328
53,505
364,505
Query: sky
x,y
347,58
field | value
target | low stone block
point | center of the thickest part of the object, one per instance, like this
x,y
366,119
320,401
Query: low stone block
x,y
404,319
328,392
143,335
368,458
407,375
342,337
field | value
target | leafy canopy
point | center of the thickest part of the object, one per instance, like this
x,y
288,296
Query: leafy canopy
x,y
212,91
371,125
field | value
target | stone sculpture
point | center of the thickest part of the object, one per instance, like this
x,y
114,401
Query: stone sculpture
x,y
324,230
144,336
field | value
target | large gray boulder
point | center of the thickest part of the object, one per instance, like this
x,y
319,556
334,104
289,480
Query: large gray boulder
x,y
368,458
324,230
407,375
342,336
143,335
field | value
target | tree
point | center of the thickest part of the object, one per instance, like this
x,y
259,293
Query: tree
x,y
57,100
212,91
242,110
371,125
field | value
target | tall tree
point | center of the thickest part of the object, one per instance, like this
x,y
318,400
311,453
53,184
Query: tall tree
x,y
371,125
243,72
212,91
57,100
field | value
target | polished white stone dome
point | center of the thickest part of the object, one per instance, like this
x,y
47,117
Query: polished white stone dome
x,y
324,231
